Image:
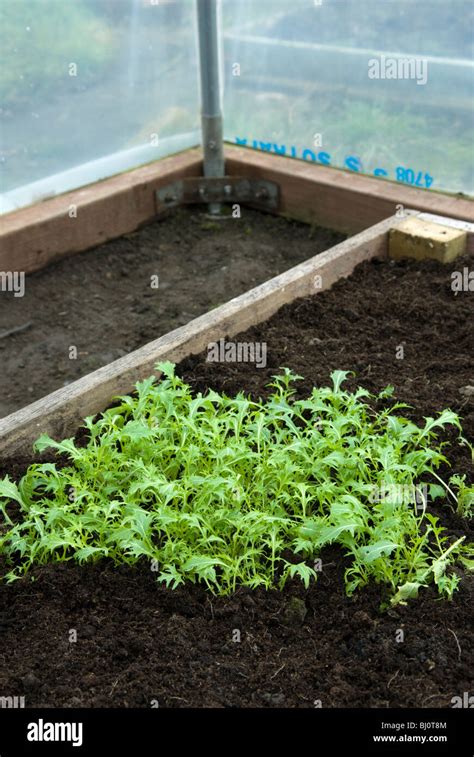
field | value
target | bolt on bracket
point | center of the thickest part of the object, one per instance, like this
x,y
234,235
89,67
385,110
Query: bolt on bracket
x,y
258,193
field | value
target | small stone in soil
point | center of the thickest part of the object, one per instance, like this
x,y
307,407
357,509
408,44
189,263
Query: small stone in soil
x,y
295,611
30,681
276,699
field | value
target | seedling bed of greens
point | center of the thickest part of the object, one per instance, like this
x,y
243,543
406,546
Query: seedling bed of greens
x,y
233,491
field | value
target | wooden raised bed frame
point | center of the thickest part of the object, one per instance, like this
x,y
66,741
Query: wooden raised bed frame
x,y
33,237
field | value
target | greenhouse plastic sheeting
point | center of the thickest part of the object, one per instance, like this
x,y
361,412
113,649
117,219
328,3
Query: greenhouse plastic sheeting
x,y
380,87
89,88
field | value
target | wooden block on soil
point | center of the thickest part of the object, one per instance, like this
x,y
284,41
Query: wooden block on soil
x,y
422,240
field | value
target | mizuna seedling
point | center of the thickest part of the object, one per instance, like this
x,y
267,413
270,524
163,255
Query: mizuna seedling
x,y
235,492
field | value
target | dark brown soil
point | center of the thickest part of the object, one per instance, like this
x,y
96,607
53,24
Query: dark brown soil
x,y
138,642
358,326
102,301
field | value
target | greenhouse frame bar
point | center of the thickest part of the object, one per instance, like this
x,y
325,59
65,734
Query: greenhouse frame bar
x,y
211,113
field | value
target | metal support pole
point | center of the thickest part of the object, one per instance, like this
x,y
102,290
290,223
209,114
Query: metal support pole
x,y
211,114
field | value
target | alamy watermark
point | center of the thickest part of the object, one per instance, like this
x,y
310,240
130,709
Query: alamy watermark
x,y
400,494
466,701
46,731
399,68
237,352
12,703
462,281
13,281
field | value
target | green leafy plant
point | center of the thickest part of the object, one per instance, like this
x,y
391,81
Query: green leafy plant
x,y
231,491
464,497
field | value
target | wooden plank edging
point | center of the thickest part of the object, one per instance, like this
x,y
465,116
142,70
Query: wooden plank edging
x,y
33,237
61,412
341,200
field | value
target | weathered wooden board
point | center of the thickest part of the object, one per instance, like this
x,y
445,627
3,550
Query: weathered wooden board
x,y
60,413
33,237
340,200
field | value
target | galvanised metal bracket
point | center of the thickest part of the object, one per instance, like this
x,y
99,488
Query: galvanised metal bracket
x,y
258,193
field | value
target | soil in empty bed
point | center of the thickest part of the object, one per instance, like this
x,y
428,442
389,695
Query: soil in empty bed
x,y
102,302
138,642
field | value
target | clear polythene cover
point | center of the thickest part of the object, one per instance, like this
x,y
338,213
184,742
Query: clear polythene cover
x,y
89,88
382,88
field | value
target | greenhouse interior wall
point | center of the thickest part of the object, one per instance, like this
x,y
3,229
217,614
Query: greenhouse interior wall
x,y
92,88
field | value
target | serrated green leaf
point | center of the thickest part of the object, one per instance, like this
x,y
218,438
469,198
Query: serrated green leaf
x,y
9,490
436,491
338,377
371,552
408,590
